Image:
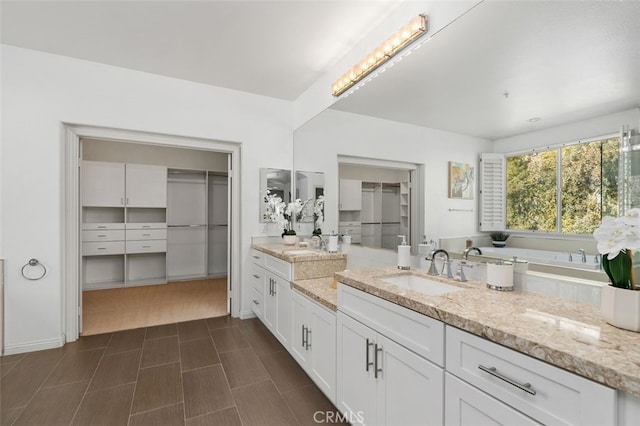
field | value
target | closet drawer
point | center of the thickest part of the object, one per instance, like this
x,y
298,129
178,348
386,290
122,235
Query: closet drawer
x,y
98,248
160,225
96,226
550,395
108,235
152,246
146,234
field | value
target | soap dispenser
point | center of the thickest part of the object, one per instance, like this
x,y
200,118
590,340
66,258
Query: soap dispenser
x,y
333,243
404,254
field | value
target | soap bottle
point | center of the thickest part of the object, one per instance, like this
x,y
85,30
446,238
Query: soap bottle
x,y
404,254
333,243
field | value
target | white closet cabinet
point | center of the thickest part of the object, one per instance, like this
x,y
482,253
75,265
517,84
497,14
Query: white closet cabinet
x,y
103,184
313,342
123,224
350,194
146,186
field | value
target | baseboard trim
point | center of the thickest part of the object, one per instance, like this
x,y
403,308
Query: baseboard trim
x,y
247,314
33,346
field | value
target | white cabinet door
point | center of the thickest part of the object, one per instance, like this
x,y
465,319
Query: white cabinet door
x,y
322,342
410,388
282,290
356,384
102,184
146,186
465,405
350,194
299,324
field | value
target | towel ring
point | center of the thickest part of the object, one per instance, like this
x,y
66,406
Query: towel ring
x,y
34,262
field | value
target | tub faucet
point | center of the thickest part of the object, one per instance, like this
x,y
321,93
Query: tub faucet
x,y
584,255
433,270
465,253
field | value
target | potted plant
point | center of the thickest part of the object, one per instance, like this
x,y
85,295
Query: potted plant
x,y
620,300
282,214
499,238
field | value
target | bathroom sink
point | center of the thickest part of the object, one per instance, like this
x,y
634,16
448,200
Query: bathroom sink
x,y
422,285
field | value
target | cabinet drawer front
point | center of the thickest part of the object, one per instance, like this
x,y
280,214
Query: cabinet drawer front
x,y
98,248
349,224
99,226
421,334
257,301
153,246
257,278
278,267
108,235
146,234
561,397
159,225
257,257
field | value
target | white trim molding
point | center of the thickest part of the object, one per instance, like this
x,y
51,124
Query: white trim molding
x,y
71,156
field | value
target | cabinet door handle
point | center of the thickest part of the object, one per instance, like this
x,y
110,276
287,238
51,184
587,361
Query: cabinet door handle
x,y
255,302
368,363
127,200
274,288
146,246
102,227
255,257
146,226
304,342
376,370
308,339
102,248
494,372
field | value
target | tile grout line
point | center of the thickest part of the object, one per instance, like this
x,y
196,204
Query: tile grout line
x,y
184,405
135,386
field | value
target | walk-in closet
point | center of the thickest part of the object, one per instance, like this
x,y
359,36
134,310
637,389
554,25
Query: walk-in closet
x,y
154,235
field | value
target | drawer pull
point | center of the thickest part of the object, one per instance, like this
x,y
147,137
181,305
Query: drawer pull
x,y
304,341
256,257
146,226
308,345
146,246
102,227
368,363
102,248
256,302
146,235
376,370
256,276
102,236
494,372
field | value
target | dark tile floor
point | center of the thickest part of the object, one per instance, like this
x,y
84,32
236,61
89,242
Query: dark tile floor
x,y
216,371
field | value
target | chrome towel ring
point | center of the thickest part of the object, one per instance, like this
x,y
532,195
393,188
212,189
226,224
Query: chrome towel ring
x,y
34,262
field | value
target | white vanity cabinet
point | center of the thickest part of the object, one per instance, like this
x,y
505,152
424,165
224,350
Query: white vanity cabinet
x,y
510,380
389,362
275,275
313,342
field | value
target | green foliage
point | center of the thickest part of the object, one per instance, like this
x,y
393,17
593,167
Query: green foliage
x,y
499,236
588,185
618,269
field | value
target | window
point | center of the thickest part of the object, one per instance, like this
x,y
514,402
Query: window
x,y
566,189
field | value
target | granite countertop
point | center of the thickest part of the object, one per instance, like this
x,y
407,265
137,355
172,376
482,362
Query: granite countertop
x,y
295,253
568,335
319,289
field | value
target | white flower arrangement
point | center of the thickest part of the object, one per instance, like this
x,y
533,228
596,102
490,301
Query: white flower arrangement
x,y
318,214
616,238
618,234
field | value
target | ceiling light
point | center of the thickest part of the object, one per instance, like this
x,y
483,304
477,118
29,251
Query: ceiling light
x,y
389,48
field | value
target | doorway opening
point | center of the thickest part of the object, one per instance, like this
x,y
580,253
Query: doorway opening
x,y
149,229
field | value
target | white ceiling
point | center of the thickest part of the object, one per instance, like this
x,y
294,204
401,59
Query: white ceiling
x,y
559,60
271,48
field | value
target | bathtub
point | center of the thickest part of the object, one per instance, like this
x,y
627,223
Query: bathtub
x,y
557,258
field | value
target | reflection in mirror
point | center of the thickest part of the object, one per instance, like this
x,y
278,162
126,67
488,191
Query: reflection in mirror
x,y
273,183
309,187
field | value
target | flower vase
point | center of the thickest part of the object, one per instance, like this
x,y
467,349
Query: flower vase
x,y
289,240
621,307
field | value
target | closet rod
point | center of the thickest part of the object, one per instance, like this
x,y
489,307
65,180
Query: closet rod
x,y
186,226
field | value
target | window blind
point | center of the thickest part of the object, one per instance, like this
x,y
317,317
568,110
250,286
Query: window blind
x,y
492,199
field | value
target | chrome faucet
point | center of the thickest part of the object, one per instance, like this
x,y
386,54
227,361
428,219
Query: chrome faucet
x,y
460,276
465,253
433,270
584,255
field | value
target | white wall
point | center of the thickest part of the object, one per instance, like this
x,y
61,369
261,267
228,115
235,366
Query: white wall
x,y
571,132
40,92
319,142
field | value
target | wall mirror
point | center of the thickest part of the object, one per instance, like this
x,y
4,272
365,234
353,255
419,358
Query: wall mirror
x,y
309,186
273,183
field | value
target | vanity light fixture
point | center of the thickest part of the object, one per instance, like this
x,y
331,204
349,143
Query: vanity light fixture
x,y
387,50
